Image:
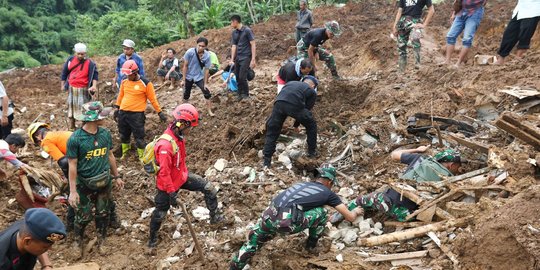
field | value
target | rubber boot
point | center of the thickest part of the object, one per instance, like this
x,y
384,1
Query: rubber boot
x,y
125,149
335,75
416,57
152,241
402,63
311,244
101,229
70,219
113,218
140,153
78,243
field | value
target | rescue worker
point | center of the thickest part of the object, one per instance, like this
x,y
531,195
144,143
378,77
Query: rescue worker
x,y
311,44
130,105
420,168
294,71
128,46
8,147
294,210
92,169
79,77
173,175
296,100
27,241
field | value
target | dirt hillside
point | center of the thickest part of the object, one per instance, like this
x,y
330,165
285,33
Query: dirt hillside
x,y
499,237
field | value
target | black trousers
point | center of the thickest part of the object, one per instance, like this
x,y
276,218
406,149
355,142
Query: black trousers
x,y
6,130
274,124
194,183
188,85
131,122
241,68
520,32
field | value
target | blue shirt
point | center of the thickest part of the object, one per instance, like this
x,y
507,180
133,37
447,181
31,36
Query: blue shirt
x,y
121,60
194,71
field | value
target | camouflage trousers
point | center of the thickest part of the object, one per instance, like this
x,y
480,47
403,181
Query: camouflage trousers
x,y
324,55
408,35
88,200
381,202
274,222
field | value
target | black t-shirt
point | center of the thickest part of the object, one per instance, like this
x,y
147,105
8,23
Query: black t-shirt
x,y
309,195
298,94
413,8
10,257
242,39
315,37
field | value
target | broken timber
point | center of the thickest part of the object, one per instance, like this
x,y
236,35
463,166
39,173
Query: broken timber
x,y
397,256
429,204
412,233
519,130
419,201
480,147
460,177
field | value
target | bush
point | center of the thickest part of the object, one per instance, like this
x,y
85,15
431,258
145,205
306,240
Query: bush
x,y
11,59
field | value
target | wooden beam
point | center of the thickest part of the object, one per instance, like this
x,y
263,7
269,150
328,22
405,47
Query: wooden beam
x,y
412,224
480,147
429,204
518,130
396,256
453,179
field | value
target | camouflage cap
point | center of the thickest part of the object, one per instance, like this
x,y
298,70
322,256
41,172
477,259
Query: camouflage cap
x,y
333,27
327,171
93,111
448,155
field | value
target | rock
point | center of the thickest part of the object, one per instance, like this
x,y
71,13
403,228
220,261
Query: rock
x,y
350,236
377,231
237,219
364,226
339,258
345,192
260,154
173,259
378,226
201,213
434,253
334,234
176,235
344,225
124,223
295,144
370,221
146,213
221,164
285,160
189,249
246,171
280,147
161,265
210,172
294,154
340,246
358,220
368,141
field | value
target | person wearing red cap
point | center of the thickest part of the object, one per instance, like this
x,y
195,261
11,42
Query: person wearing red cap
x,y
173,175
130,105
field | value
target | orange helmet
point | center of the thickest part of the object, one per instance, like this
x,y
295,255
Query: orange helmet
x,y
188,113
129,67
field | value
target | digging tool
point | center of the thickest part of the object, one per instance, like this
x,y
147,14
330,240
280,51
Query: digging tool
x,y
192,232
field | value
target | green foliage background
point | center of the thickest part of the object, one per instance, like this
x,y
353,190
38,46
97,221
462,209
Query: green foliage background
x,y
35,32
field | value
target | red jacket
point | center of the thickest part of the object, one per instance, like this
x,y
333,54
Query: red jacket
x,y
173,172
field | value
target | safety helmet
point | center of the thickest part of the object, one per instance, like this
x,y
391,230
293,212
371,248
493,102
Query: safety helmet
x,y
186,112
33,128
129,67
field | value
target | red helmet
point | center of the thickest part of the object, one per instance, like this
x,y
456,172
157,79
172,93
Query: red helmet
x,y
129,67
187,112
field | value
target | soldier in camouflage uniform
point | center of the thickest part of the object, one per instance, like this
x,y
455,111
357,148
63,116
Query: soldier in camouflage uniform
x,y
310,45
408,24
298,208
90,167
421,168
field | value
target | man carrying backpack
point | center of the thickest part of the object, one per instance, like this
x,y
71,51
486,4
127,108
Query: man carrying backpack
x,y
196,70
131,104
173,175
420,168
79,77
169,68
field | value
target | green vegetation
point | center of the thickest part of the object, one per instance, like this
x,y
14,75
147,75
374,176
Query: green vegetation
x,y
44,32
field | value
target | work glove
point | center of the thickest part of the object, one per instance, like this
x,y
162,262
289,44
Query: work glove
x,y
115,116
162,117
173,199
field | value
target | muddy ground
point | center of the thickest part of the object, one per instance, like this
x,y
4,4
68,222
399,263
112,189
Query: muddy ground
x,y
498,238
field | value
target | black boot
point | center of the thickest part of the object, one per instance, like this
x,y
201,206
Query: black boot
x,y
311,243
101,229
113,218
153,240
155,224
70,219
78,243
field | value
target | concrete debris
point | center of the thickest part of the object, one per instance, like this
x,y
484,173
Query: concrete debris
x,y
146,213
221,164
125,223
173,259
260,154
246,171
378,226
176,235
533,229
201,213
340,246
334,234
349,236
285,160
294,154
345,192
364,226
280,147
189,250
210,172
368,141
339,258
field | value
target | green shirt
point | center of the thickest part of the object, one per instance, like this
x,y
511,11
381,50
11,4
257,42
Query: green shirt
x,y
91,151
214,59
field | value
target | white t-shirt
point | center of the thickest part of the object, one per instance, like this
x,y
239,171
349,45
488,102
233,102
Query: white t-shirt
x,y
527,9
3,94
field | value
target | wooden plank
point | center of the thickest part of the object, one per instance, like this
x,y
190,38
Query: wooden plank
x,y
518,133
411,224
396,256
517,123
427,215
453,179
426,206
480,147
443,248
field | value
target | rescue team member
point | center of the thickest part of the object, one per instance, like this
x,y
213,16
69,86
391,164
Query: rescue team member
x,y
173,173
8,147
196,67
294,210
27,240
296,100
130,105
79,77
312,42
91,164
128,46
294,71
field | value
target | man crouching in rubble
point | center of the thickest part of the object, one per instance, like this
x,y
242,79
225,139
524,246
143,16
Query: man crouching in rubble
x,y
297,208
420,168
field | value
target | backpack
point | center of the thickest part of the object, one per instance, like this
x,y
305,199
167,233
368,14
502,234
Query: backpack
x,y
428,170
149,158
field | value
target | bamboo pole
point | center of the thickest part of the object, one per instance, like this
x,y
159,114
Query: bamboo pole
x,y
192,232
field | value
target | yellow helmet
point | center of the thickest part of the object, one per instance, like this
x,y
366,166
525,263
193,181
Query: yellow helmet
x,y
34,127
